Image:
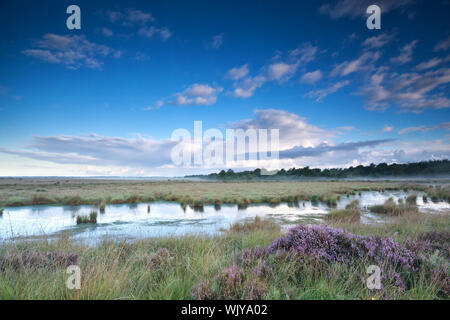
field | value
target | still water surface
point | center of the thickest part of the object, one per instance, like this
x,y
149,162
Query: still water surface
x,y
168,219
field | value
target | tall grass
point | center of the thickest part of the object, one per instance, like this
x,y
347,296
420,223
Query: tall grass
x,y
393,209
91,218
102,206
351,213
183,267
78,192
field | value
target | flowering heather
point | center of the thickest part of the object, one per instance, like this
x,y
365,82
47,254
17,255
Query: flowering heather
x,y
235,282
160,258
247,256
437,241
36,259
337,245
315,251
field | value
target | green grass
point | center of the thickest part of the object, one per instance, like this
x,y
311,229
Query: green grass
x,y
102,206
173,267
91,218
393,209
438,193
351,213
20,192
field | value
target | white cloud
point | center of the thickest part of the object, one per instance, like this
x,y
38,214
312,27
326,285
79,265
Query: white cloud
x,y
304,53
98,150
158,104
294,130
139,19
140,56
130,17
443,45
431,63
413,92
312,77
217,41
322,93
364,62
387,128
238,73
107,32
405,53
197,94
357,8
71,51
301,144
281,70
377,42
150,32
246,88
445,125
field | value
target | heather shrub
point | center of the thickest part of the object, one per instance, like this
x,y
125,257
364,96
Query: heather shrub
x,y
337,245
37,259
233,283
433,241
317,252
326,246
160,258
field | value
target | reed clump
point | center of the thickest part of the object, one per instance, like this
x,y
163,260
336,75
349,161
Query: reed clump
x,y
411,199
102,206
243,204
254,225
351,213
217,205
331,200
439,193
91,218
396,209
197,206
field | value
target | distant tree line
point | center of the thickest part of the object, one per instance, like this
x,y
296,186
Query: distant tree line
x,y
437,167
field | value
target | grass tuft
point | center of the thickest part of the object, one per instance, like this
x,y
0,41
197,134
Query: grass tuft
x,y
91,218
392,209
351,213
102,206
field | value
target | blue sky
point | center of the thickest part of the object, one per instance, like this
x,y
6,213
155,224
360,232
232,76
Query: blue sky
x,y
104,100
